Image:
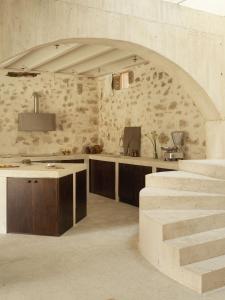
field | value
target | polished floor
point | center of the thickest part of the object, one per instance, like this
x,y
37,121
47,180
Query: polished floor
x,y
97,260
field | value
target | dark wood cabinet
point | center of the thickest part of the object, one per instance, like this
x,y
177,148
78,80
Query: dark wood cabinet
x,y
72,161
62,161
102,178
40,206
65,203
19,205
163,170
44,206
81,195
131,181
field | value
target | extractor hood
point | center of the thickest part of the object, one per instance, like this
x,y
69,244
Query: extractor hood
x,y
37,121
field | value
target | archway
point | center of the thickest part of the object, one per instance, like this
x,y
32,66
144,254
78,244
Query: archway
x,y
74,55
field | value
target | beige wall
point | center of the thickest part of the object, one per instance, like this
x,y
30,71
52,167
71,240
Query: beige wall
x,y
188,44
88,111
73,100
156,101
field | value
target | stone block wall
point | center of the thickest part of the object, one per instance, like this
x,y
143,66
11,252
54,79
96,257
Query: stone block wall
x,y
88,111
156,102
74,101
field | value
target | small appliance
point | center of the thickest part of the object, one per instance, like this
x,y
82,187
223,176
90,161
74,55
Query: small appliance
x,y
176,152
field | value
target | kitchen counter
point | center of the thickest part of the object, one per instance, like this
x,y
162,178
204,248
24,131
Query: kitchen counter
x,y
19,158
145,161
45,174
40,170
122,177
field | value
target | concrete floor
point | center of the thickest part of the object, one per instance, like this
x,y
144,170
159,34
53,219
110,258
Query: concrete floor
x,y
97,260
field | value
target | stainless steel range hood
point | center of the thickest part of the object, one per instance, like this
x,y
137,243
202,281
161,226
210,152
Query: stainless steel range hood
x,y
37,121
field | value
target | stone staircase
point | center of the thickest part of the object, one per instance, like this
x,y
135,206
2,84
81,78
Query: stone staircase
x,y
182,223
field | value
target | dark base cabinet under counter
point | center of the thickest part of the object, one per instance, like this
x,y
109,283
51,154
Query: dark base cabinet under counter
x,y
62,161
45,206
131,181
102,178
40,206
163,170
81,196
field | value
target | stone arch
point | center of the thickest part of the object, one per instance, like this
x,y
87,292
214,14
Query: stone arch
x,y
197,93
154,35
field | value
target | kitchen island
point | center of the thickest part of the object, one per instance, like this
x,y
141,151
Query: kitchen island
x,y
36,199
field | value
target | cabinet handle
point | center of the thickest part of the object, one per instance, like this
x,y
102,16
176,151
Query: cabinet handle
x,y
29,181
35,181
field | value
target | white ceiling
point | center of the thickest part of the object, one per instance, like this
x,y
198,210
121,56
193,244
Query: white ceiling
x,y
211,6
90,60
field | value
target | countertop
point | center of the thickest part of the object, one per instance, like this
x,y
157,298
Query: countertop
x,y
145,161
40,170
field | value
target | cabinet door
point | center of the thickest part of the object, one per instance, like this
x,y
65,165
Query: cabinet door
x,y
63,161
81,195
45,206
72,161
19,205
102,178
163,170
95,177
131,181
126,182
139,181
65,204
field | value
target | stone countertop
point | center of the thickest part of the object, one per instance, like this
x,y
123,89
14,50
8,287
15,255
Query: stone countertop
x,y
145,161
19,158
40,170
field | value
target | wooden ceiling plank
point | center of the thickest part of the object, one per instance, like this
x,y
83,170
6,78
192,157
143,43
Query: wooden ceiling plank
x,y
36,65
9,62
74,57
37,56
99,61
116,67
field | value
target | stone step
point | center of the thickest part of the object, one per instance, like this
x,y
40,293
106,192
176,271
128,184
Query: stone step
x,y
197,247
209,167
200,276
211,272
182,223
180,180
178,223
161,198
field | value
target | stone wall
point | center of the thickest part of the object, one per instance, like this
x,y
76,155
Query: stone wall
x,y
87,113
156,102
73,100
175,36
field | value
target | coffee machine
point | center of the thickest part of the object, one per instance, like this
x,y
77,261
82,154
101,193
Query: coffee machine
x,y
175,152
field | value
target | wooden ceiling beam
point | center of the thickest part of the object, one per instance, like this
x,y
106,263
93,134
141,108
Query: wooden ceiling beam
x,y
99,61
115,67
74,57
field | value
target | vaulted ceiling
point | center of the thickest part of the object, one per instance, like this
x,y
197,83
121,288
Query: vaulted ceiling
x,y
91,60
211,6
